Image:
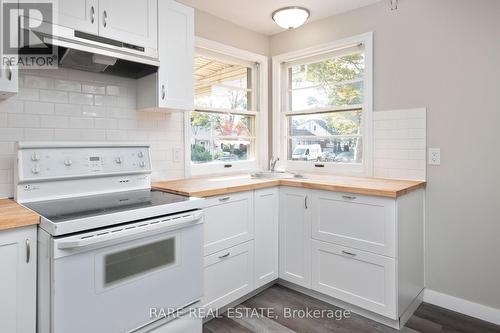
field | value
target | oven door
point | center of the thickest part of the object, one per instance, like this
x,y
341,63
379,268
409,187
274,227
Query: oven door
x,y
115,281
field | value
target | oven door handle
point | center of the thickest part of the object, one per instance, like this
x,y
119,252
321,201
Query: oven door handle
x,y
130,231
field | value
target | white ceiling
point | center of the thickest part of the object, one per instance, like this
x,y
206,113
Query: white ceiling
x,y
256,14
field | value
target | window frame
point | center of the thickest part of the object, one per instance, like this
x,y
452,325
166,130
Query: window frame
x,y
280,106
260,111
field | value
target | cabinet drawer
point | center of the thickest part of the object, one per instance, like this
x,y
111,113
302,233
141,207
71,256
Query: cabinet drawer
x,y
357,277
228,275
362,222
228,221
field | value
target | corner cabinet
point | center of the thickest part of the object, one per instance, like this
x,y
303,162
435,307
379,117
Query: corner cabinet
x,y
172,87
18,251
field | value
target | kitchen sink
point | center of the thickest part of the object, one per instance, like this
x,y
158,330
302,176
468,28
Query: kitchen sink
x,y
275,175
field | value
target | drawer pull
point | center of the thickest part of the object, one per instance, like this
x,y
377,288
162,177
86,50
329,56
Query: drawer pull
x,y
306,203
349,197
224,199
349,253
28,250
225,255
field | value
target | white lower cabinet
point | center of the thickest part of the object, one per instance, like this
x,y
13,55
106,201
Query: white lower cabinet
x,y
228,275
266,235
18,280
295,236
361,278
363,222
229,221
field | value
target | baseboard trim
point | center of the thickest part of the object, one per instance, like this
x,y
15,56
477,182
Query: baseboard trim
x,y
463,306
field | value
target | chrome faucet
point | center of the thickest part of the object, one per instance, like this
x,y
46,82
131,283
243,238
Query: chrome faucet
x,y
272,163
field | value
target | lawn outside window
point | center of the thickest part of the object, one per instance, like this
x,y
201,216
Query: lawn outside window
x,y
323,106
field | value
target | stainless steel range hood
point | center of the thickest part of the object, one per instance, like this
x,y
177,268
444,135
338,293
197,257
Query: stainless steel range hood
x,y
87,52
92,57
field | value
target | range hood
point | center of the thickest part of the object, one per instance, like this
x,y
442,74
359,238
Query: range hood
x,y
82,51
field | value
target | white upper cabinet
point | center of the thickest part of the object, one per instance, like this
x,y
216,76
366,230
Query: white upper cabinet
x,y
266,235
134,22
81,15
295,236
8,74
172,88
18,280
176,49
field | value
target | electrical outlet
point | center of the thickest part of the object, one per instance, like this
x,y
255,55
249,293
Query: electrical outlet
x,y
434,156
177,153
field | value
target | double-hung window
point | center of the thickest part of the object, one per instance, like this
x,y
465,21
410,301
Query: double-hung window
x,y
325,109
224,124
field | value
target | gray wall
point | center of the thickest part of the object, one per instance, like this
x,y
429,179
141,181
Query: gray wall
x,y
222,31
443,55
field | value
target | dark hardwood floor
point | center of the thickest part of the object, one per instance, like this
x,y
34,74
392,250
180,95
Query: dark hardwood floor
x,y
250,318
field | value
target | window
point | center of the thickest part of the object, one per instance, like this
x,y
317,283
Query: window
x,y
223,127
324,107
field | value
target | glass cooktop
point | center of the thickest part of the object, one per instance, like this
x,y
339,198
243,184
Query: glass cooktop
x,y
103,204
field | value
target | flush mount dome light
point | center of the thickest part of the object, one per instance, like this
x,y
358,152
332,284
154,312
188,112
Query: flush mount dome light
x,y
291,17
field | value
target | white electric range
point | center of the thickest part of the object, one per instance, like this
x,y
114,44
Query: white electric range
x,y
113,253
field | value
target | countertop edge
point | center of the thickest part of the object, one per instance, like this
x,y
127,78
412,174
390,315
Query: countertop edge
x,y
294,183
26,216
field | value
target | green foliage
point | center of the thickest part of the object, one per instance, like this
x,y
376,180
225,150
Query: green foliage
x,y
335,76
200,154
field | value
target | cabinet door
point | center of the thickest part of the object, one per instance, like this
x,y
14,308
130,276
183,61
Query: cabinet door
x,y
228,275
81,15
266,235
176,53
134,22
357,277
229,221
295,236
363,222
8,74
18,280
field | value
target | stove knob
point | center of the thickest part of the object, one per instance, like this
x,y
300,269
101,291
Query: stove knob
x,y
140,154
35,170
35,157
142,164
118,160
68,162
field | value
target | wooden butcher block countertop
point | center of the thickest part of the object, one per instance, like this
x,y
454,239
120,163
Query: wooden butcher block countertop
x,y
220,185
13,215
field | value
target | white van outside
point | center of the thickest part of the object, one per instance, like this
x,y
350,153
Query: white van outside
x,y
307,152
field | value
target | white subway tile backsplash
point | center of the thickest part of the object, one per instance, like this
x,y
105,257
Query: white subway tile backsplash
x,y
399,144
11,134
23,120
68,110
81,99
81,122
28,94
38,108
67,85
94,89
38,82
93,111
38,134
53,96
69,105
55,122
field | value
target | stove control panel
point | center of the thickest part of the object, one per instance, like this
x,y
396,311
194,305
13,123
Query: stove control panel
x,y
73,162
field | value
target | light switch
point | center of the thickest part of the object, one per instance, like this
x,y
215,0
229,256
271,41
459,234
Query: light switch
x,y
177,153
434,156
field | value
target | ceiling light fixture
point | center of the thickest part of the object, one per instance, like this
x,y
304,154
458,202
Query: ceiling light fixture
x,y
290,17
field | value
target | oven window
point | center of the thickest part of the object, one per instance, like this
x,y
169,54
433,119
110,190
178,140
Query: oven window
x,y
138,260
